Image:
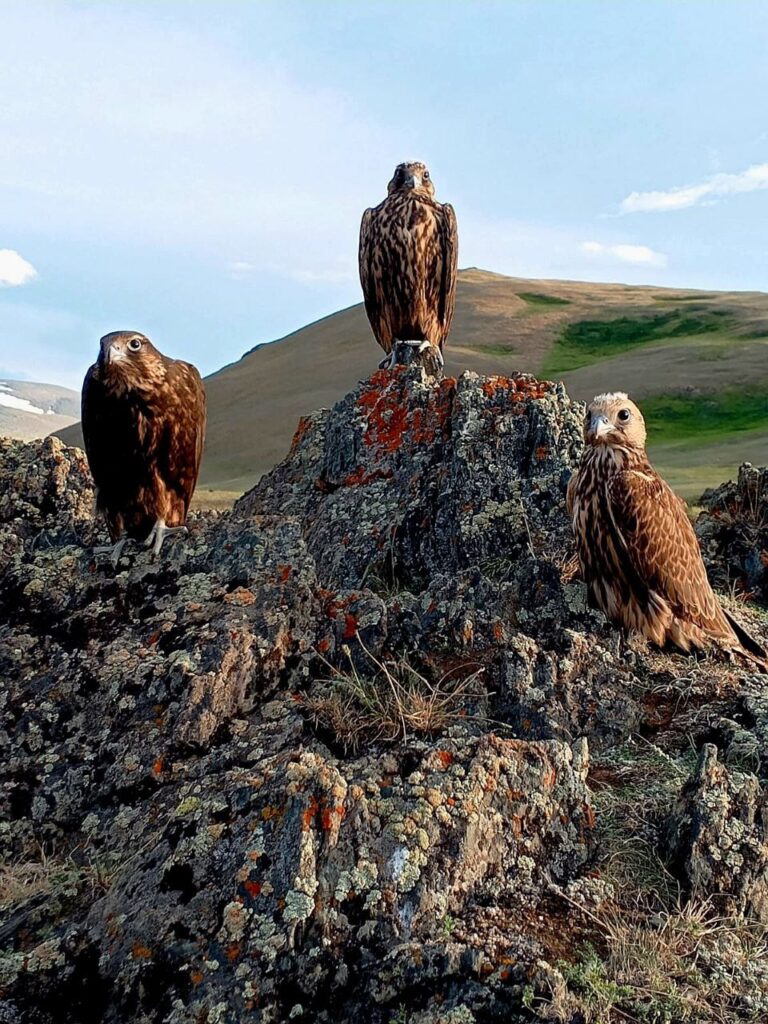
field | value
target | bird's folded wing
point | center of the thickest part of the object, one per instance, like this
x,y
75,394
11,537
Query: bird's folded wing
x,y
98,432
449,242
370,286
183,428
659,541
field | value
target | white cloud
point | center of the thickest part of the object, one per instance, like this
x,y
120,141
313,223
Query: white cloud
x,y
14,269
638,255
684,196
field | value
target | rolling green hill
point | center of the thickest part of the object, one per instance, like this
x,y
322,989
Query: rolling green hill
x,y
696,361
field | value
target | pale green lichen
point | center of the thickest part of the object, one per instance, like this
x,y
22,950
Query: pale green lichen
x,y
298,906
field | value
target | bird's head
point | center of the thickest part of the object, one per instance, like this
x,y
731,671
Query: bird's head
x,y
413,175
613,419
130,356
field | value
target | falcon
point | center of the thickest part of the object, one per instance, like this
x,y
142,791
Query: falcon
x,y
638,551
143,418
408,252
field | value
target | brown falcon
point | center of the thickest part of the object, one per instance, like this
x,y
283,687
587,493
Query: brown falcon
x,y
143,423
408,252
638,551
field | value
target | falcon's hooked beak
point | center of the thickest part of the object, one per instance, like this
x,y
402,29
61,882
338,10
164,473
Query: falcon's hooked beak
x,y
116,352
414,181
599,425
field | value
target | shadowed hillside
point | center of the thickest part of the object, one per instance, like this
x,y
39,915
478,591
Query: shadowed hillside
x,y
653,342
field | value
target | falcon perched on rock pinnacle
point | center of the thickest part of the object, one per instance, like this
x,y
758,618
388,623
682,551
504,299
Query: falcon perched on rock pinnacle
x,y
639,554
408,252
143,424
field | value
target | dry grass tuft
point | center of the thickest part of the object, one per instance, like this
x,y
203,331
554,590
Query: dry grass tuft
x,y
392,703
80,873
655,957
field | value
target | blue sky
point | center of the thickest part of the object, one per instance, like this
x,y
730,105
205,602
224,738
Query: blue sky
x,y
197,171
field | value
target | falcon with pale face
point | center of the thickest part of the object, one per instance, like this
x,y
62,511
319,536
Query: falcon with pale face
x,y
638,551
143,420
408,259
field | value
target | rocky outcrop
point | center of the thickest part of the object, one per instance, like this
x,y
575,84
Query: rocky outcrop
x,y
733,532
719,837
328,757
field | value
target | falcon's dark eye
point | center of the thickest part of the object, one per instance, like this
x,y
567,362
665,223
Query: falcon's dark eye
x,y
426,175
134,344
624,415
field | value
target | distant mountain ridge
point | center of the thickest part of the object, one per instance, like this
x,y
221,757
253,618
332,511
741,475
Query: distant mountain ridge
x,y
29,410
697,362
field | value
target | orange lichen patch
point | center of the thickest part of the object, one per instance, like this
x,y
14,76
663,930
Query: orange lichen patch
x,y
549,777
253,889
154,638
541,452
241,596
323,645
499,633
140,952
350,626
284,572
269,813
309,813
301,429
158,766
387,418
445,758
530,387
517,388
360,476
589,815
196,977
327,816
233,951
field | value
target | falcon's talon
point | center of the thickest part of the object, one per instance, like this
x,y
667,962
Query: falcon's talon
x,y
159,532
113,550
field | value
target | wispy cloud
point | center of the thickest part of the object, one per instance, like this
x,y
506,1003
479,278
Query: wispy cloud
x,y
683,196
14,269
638,255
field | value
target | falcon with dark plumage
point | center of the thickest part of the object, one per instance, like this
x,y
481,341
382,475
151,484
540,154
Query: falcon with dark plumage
x,y
638,551
143,418
408,254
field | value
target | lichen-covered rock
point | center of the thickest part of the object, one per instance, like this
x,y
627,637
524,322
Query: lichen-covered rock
x,y
405,478
718,837
184,835
733,532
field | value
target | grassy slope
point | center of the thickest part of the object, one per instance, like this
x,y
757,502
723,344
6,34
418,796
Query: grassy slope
x,y
660,342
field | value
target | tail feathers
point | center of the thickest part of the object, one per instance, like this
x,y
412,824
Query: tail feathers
x,y
750,648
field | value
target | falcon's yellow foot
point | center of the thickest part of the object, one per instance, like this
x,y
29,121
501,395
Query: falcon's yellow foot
x,y
113,550
159,532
